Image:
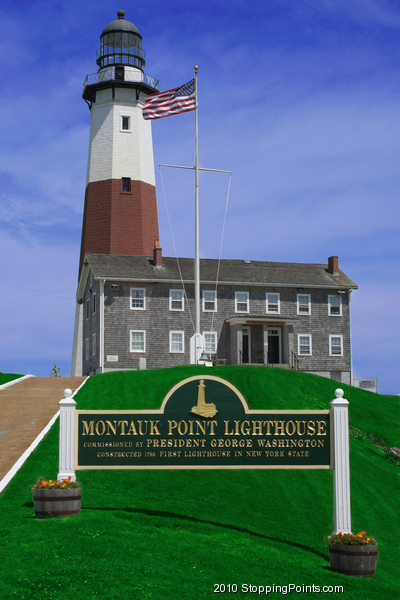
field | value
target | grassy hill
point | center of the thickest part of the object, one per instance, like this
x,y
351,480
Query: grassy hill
x,y
175,534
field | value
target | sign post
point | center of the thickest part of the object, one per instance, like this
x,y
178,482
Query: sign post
x,y
341,471
67,435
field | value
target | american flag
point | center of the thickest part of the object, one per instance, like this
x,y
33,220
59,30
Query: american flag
x,y
172,102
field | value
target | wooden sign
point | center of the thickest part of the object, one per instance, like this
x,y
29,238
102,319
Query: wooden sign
x,y
204,423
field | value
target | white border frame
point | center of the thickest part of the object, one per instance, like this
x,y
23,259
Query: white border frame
x,y
144,341
272,312
144,298
329,305
170,300
330,344
299,335
215,301
298,305
183,342
248,303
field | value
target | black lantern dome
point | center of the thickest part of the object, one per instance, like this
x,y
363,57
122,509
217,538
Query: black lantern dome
x,y
121,44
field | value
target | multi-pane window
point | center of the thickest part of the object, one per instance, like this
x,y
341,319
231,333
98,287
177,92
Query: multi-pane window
x,y
303,304
125,123
209,301
126,184
176,300
176,341
273,303
138,341
242,302
335,305
138,298
336,345
210,338
304,342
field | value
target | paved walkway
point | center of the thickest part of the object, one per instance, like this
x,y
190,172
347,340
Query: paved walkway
x,y
25,410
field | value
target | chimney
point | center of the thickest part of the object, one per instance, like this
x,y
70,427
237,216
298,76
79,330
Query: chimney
x,y
333,265
157,253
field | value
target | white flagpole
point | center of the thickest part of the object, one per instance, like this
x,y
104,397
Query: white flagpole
x,y
197,228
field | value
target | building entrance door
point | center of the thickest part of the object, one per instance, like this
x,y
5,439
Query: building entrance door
x,y
274,346
246,358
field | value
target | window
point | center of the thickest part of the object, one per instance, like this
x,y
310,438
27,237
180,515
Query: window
x,y
87,348
125,123
273,303
138,299
87,308
211,341
303,304
335,345
209,301
126,184
94,303
175,299
304,343
242,302
176,341
93,344
334,306
138,341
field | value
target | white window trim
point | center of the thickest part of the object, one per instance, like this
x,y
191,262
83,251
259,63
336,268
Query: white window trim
x,y
236,303
329,306
215,301
144,340
309,305
272,312
183,343
298,344
170,300
214,334
144,299
129,130
330,345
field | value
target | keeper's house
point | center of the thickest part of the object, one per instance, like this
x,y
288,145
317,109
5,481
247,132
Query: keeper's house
x,y
138,313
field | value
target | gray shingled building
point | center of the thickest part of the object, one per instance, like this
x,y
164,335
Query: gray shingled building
x,y
138,311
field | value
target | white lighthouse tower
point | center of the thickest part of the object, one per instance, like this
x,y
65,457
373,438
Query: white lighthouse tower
x,y
120,212
120,215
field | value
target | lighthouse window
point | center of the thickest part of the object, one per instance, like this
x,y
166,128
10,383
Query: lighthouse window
x,y
126,184
126,123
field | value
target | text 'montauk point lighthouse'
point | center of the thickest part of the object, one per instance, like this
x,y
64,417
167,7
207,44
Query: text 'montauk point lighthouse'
x,y
120,214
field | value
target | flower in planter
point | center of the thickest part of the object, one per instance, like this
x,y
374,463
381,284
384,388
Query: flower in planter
x,y
350,539
57,485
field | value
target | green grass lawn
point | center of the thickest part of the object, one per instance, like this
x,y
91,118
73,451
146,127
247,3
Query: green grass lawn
x,y
175,534
6,377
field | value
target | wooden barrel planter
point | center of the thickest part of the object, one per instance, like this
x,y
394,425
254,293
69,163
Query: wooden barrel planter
x,y
57,502
358,561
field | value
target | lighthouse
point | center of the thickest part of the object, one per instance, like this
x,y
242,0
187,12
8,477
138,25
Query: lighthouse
x,y
120,212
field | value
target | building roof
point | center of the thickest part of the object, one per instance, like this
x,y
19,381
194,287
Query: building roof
x,y
234,272
120,24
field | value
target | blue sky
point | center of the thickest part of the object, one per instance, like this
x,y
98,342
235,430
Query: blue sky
x,y
299,99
